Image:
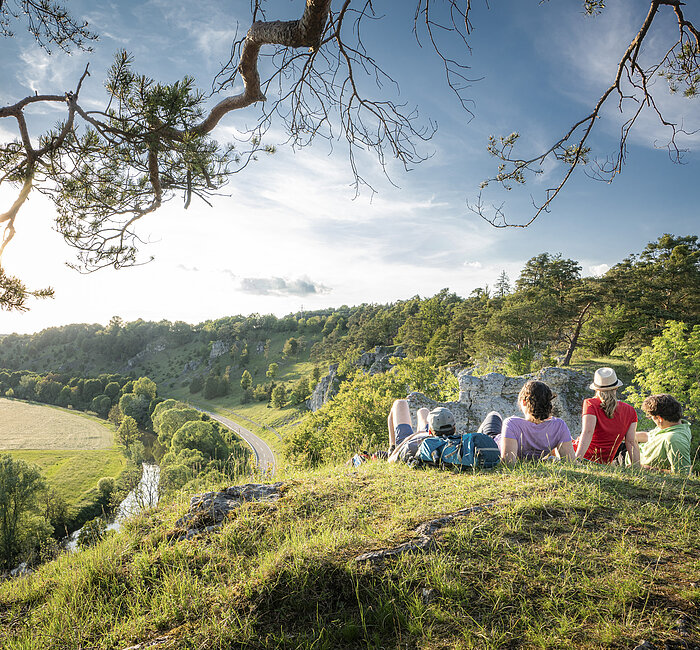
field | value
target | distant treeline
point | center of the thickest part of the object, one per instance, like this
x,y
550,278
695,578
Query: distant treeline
x,y
540,318
98,394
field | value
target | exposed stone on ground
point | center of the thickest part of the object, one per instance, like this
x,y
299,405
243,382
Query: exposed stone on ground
x,y
325,390
208,511
379,360
153,643
496,392
191,365
19,571
425,540
150,349
217,349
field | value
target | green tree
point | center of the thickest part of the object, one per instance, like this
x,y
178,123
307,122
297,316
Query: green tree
x,y
300,391
169,416
136,406
201,436
101,405
105,486
272,371
659,284
196,384
112,390
671,364
128,432
20,485
215,386
91,389
502,287
354,419
47,391
291,347
279,396
246,380
145,387
115,415
63,398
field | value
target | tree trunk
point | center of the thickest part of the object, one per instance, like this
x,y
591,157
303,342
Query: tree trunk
x,y
577,331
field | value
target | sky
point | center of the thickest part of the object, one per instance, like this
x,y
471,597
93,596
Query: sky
x,y
288,234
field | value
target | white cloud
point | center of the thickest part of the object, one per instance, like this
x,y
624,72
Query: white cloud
x,y
282,287
598,269
592,50
37,66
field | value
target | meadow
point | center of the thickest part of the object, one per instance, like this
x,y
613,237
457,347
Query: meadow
x,y
74,474
72,450
557,556
25,425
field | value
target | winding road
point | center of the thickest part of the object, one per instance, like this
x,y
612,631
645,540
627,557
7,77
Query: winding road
x,y
264,457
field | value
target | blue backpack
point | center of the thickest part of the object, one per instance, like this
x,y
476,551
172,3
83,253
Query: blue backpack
x,y
467,450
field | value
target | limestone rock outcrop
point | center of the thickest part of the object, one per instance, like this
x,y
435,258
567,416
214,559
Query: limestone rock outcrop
x,y
376,361
208,511
496,392
325,390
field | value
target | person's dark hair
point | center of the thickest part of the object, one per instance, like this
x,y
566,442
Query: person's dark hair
x,y
538,399
663,406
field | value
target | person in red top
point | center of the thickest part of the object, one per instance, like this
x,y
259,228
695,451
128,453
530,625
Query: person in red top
x,y
606,422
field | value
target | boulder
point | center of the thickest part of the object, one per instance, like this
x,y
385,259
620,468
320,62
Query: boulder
x,y
208,511
496,392
218,348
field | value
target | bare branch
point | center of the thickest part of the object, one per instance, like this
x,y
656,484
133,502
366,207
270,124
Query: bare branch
x,y
571,149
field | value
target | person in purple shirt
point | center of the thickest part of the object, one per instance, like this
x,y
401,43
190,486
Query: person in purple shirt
x,y
537,434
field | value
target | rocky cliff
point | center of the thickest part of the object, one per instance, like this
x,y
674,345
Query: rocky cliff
x,y
495,392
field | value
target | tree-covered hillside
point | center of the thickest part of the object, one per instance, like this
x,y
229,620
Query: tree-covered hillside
x,y
544,316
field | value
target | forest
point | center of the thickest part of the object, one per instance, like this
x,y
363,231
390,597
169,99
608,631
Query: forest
x,y
542,317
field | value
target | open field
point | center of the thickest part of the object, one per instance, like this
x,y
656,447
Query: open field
x,y
74,473
34,426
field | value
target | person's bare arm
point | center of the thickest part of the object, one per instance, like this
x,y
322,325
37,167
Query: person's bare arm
x,y
565,450
588,423
509,450
631,444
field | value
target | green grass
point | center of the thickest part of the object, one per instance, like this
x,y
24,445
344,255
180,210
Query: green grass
x,y
25,425
74,474
269,424
568,557
624,368
72,450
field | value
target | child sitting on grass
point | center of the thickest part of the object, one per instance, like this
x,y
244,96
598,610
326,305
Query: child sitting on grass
x,y
666,447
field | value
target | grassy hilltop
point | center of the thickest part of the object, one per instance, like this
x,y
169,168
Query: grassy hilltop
x,y
561,557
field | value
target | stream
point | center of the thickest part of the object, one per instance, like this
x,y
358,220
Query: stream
x,y
143,497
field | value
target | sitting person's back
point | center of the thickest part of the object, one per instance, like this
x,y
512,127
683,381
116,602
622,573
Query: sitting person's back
x,y
666,447
538,433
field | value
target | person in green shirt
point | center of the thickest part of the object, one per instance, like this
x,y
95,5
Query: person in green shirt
x,y
667,447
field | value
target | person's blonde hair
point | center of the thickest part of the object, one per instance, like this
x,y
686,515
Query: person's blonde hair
x,y
608,401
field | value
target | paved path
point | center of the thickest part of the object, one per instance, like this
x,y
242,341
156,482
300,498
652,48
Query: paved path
x,y
264,457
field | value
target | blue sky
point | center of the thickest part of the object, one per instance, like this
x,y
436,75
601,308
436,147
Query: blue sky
x,y
287,233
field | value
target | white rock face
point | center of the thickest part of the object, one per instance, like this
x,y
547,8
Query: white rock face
x,y
217,349
325,390
495,392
